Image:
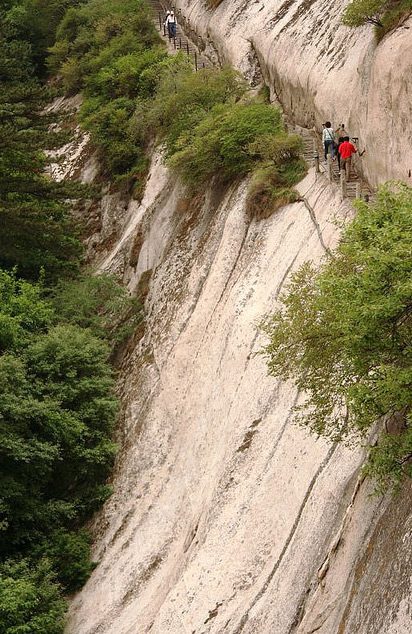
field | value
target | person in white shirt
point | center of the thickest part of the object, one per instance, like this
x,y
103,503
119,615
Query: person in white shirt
x,y
328,140
171,24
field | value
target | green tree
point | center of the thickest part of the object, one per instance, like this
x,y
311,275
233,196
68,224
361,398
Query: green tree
x,y
36,22
69,553
343,333
360,12
37,231
57,411
385,14
30,599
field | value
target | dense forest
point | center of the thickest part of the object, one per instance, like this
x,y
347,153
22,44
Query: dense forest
x,y
58,327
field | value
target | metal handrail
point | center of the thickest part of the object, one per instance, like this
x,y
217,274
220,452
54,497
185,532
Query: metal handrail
x,y
182,43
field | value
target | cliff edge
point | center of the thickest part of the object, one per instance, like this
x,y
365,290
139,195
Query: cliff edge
x,y
321,70
225,517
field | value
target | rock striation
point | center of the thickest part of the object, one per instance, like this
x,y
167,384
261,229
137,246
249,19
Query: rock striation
x,y
225,517
321,70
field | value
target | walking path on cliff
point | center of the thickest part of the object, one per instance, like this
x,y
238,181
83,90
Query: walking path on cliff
x,y
181,42
356,187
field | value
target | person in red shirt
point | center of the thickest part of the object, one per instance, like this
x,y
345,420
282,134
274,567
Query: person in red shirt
x,y
346,149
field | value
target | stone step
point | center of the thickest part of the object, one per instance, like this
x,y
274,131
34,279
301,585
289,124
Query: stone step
x,y
311,142
159,8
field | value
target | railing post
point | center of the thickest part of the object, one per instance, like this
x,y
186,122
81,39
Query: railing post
x,y
343,184
164,30
187,47
329,167
196,61
358,189
174,41
316,156
160,21
180,42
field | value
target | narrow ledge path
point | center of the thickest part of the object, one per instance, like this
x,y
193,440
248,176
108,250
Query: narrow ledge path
x,y
181,42
312,152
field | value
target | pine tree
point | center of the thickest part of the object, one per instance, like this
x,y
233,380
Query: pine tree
x,y
36,229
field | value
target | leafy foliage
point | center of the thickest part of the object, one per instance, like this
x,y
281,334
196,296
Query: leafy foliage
x,y
385,14
57,412
184,98
135,92
281,166
268,190
69,553
222,141
36,22
99,303
359,12
110,50
36,228
30,599
343,333
57,406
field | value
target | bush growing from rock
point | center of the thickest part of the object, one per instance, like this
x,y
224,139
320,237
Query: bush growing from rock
x,y
221,143
384,14
344,333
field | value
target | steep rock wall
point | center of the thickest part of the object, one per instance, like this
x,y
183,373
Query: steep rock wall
x,y
223,511
320,70
226,517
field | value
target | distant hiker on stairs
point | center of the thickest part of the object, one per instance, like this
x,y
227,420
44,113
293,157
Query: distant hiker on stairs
x,y
171,24
328,140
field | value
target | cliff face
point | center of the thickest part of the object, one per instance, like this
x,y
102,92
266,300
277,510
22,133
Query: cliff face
x,y
321,70
225,517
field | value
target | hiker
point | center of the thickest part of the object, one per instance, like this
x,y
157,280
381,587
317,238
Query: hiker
x,y
340,133
346,149
328,140
171,24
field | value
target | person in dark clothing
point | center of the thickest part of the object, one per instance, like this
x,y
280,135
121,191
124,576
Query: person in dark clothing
x,y
341,133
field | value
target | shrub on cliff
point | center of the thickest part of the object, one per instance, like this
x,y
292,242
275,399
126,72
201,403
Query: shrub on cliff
x,y
280,167
268,192
184,98
385,14
343,333
222,143
102,30
100,304
110,50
